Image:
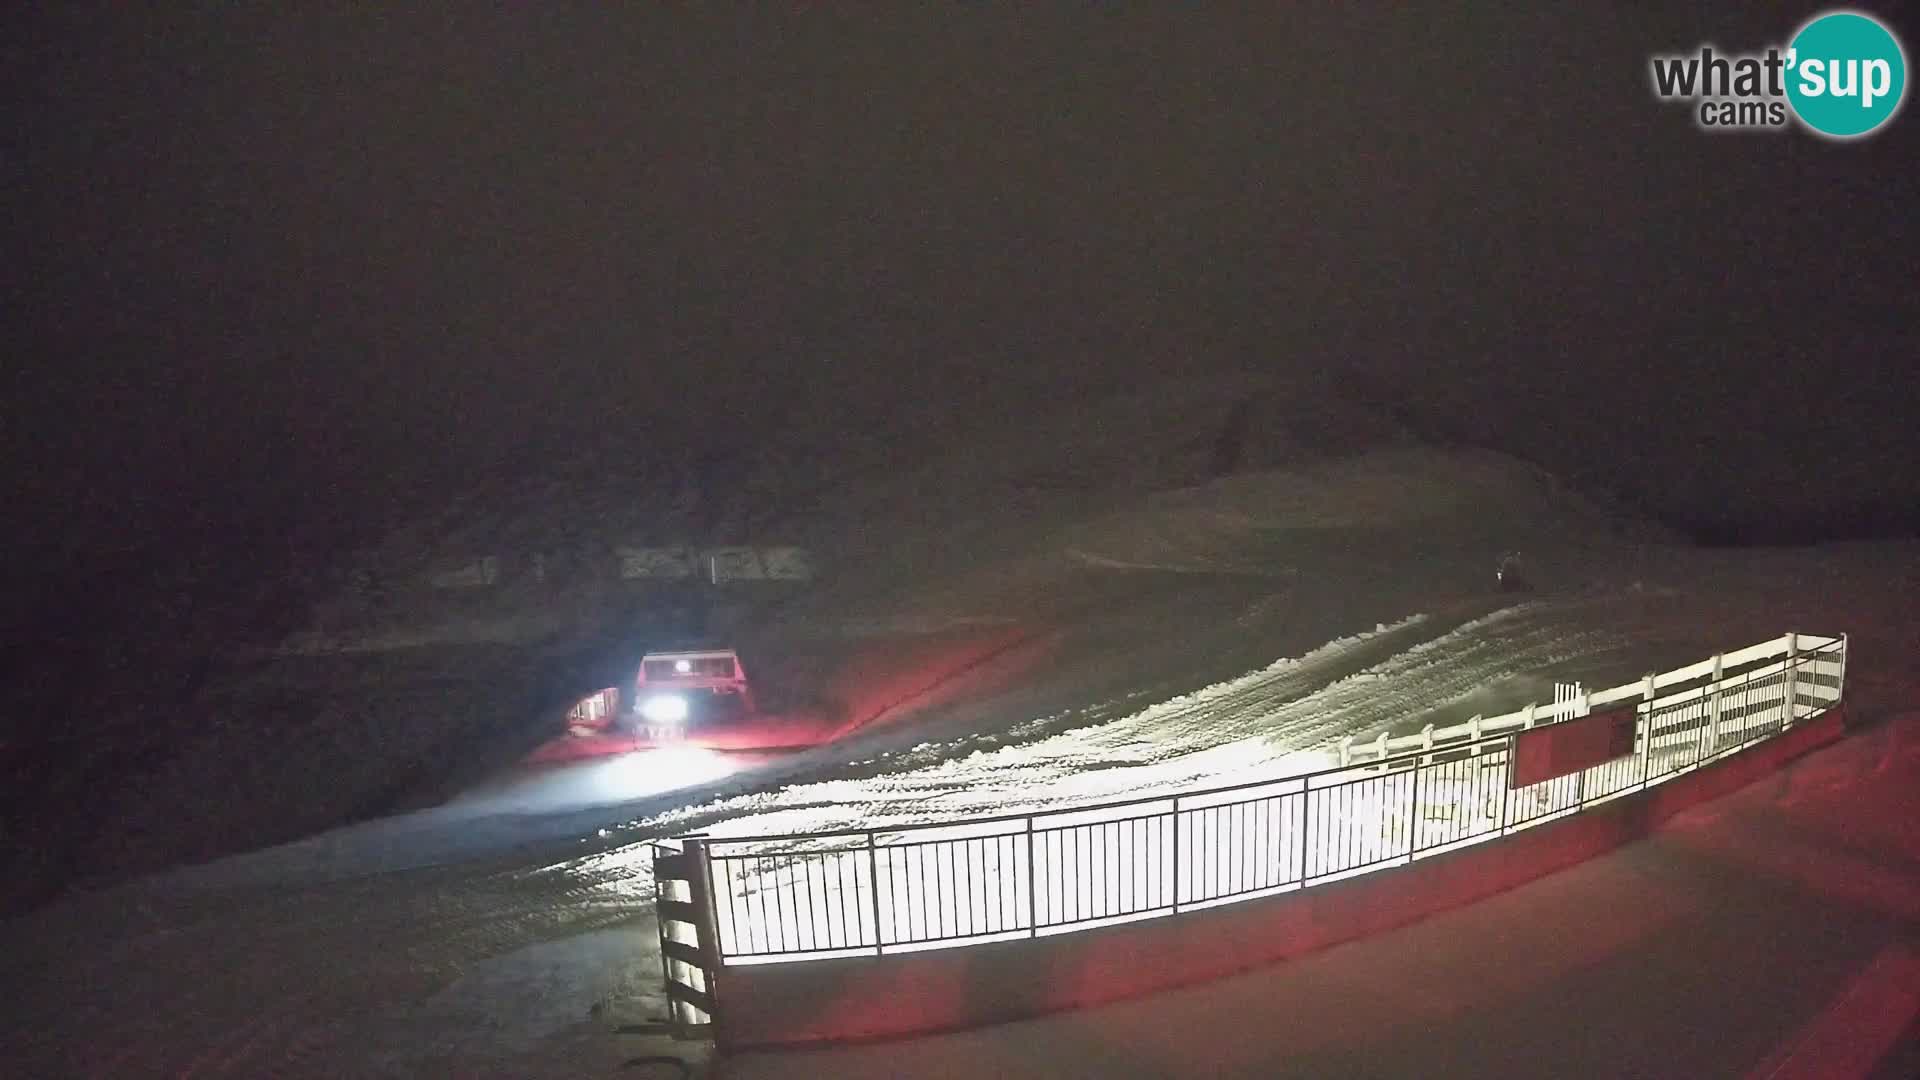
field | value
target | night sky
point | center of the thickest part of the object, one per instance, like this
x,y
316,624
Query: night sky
x,y
271,272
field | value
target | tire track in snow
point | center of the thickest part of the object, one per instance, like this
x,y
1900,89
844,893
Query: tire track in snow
x,y
880,783
1266,723
328,978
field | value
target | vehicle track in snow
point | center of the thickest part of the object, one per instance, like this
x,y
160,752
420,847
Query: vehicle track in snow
x,y
1252,726
361,976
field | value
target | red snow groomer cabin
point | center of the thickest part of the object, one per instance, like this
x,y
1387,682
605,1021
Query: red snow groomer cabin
x,y
681,696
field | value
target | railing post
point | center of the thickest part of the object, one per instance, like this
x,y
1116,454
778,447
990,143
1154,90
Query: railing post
x,y
1840,691
1645,732
708,898
1581,707
873,877
1346,751
1507,784
1419,816
1793,659
1306,803
1526,715
1713,704
1033,885
1176,854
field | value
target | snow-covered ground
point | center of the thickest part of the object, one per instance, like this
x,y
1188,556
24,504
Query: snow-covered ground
x,y
1264,723
1766,934
1207,635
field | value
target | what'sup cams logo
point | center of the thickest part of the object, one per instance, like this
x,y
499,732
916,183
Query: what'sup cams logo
x,y
1842,76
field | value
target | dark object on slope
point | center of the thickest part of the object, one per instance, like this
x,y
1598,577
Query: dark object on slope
x,y
1510,575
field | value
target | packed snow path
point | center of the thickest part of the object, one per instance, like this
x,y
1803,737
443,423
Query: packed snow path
x,y
308,960
1267,723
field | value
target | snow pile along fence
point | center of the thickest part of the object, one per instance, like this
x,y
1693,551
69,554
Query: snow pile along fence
x,y
1394,801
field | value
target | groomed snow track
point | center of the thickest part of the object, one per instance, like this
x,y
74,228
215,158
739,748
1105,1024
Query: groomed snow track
x,y
497,964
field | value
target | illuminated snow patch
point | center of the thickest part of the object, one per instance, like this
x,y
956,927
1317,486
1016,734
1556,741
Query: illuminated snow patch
x,y
1270,723
651,772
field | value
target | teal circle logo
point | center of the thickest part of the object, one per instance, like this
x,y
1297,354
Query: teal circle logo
x,y
1846,74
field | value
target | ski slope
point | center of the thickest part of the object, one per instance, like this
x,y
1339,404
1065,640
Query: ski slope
x,y
312,960
1275,721
506,932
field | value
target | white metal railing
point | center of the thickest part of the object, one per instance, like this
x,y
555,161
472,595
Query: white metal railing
x,y
1390,802
1713,669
